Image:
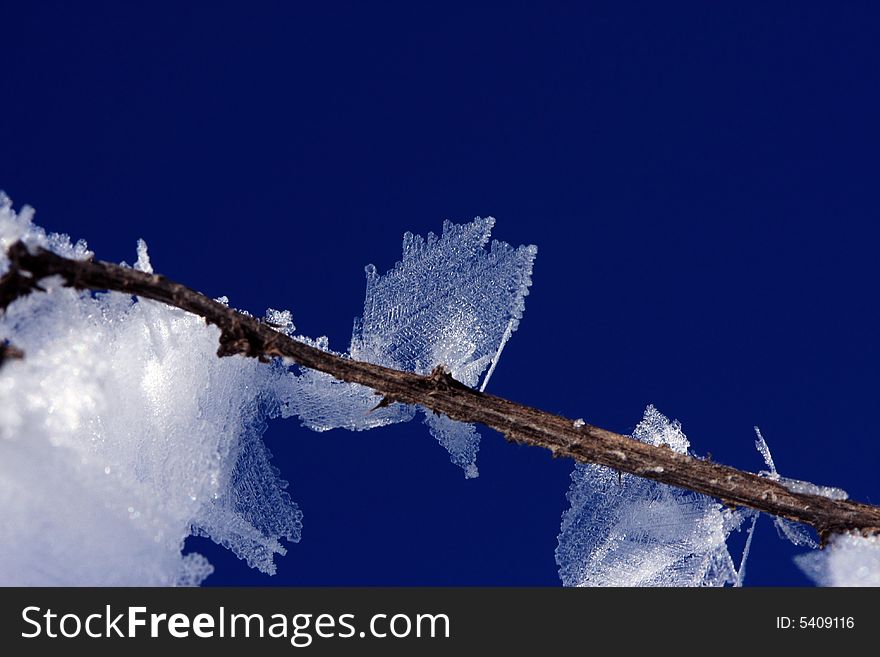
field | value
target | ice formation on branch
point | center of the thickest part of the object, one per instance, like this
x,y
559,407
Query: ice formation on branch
x,y
450,302
623,530
847,559
121,433
794,485
794,532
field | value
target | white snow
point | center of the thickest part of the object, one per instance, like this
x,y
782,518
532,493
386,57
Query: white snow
x,y
847,560
121,433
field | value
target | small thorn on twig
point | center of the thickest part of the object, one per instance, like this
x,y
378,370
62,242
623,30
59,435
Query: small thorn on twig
x,y
442,381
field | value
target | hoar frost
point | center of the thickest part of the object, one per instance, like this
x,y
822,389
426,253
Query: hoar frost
x,y
622,530
450,302
848,559
122,433
794,532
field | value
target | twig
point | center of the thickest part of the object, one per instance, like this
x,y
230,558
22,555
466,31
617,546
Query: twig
x,y
245,335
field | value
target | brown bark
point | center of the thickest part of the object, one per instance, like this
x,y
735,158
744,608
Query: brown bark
x,y
241,334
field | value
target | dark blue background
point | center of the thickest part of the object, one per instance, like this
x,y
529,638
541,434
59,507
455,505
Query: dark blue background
x,y
701,180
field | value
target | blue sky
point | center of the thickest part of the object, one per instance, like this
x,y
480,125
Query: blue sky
x,y
700,179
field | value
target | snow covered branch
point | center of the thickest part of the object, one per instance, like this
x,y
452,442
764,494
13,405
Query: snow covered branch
x,y
441,393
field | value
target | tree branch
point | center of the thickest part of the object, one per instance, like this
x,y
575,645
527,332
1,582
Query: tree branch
x,y
241,334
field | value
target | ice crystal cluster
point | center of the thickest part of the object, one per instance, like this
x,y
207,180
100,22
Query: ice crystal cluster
x,y
847,559
448,302
793,532
122,433
622,530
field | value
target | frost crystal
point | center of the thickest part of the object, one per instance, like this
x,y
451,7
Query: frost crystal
x,y
741,573
798,486
847,560
324,402
449,302
121,433
459,439
280,320
795,485
194,570
794,532
623,530
143,260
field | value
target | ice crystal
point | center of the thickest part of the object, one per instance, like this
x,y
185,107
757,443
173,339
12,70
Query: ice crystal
x,y
847,559
449,301
623,530
741,572
194,570
122,433
794,532
795,485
